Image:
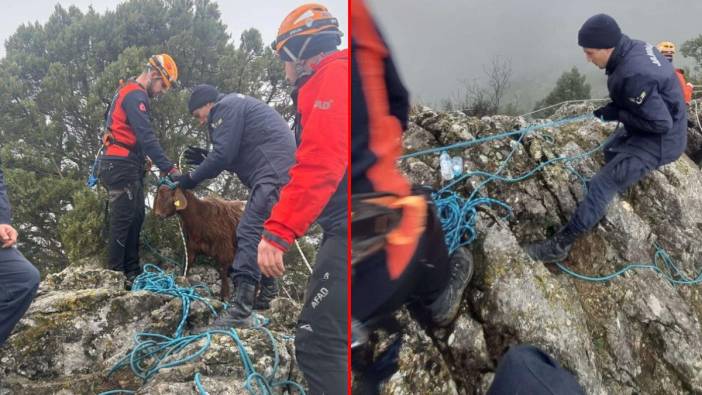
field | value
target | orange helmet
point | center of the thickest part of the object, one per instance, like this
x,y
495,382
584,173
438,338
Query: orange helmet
x,y
666,48
166,66
305,21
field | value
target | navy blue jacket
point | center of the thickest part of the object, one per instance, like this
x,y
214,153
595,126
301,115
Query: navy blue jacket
x,y
5,211
249,138
643,86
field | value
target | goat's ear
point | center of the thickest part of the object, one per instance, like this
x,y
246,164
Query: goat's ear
x,y
179,200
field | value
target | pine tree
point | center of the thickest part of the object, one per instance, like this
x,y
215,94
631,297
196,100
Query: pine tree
x,y
571,85
57,80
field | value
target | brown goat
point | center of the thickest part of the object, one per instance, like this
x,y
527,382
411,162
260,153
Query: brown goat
x,y
209,225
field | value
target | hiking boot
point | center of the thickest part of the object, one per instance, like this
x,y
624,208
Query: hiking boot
x,y
552,250
445,307
130,280
267,292
239,313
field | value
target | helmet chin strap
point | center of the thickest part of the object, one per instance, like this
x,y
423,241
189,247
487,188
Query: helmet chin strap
x,y
149,91
301,70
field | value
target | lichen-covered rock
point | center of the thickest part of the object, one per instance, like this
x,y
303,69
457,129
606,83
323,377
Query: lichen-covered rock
x,y
635,334
422,368
417,138
84,321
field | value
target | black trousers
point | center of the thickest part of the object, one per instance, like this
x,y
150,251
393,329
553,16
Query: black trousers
x,y
19,281
125,186
321,335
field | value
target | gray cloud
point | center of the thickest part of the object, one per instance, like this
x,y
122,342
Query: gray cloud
x,y
438,43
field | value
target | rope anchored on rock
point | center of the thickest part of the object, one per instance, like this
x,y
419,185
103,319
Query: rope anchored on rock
x,y
153,352
459,215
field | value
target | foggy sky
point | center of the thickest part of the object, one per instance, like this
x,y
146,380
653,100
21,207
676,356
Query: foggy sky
x,y
238,15
438,43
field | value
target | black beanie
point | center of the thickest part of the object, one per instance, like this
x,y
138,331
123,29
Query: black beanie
x,y
201,95
318,43
599,31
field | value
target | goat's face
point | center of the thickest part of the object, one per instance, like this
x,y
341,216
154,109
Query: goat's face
x,y
168,201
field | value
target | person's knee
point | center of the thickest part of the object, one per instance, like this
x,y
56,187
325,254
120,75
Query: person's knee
x,y
34,276
29,280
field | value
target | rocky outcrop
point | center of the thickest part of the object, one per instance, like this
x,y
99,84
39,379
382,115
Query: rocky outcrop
x,y
635,334
83,322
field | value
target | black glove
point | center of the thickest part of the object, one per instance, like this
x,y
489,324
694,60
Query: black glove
x,y
610,112
185,182
195,155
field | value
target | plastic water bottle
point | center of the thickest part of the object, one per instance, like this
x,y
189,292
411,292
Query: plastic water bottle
x,y
457,166
446,166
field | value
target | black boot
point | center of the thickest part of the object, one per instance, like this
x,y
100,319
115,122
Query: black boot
x,y
552,250
267,292
445,307
131,276
239,313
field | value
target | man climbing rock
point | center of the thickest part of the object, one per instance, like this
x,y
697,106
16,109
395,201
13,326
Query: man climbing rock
x,y
647,101
128,140
667,49
249,138
307,42
19,280
399,254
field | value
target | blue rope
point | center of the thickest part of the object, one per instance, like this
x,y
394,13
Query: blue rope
x,y
92,176
662,264
459,215
198,384
154,352
155,280
519,132
167,182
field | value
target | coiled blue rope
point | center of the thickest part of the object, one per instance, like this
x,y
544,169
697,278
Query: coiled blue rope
x,y
459,215
154,352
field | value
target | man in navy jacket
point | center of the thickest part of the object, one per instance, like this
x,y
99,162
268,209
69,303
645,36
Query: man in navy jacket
x,y
648,104
19,280
250,139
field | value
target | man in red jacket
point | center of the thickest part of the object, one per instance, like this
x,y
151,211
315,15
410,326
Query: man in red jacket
x,y
128,141
317,191
667,49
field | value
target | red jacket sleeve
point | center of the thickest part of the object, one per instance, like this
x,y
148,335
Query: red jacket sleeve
x,y
321,162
